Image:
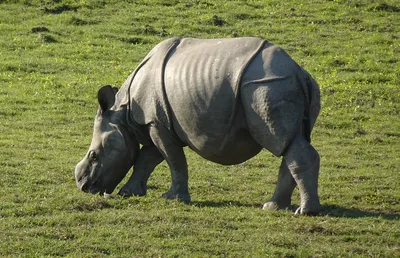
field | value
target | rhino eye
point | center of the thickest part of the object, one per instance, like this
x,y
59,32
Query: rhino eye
x,y
93,155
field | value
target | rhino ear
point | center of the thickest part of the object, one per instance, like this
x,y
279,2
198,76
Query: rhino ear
x,y
115,90
106,97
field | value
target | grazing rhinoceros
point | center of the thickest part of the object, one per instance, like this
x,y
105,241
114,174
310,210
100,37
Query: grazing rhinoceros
x,y
224,98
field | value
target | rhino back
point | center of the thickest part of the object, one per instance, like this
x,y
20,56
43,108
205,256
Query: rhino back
x,y
202,80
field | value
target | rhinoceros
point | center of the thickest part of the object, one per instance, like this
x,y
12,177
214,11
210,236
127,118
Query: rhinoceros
x,y
226,99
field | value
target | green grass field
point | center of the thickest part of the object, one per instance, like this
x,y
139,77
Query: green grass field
x,y
55,55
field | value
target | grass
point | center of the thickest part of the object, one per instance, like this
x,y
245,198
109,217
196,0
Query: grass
x,y
56,54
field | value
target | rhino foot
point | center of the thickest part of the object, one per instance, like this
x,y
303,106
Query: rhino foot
x,y
309,211
182,197
274,206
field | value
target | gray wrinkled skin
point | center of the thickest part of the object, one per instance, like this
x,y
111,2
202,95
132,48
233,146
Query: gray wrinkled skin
x,y
224,98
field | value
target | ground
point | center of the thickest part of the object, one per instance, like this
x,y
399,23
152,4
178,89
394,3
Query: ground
x,y
54,57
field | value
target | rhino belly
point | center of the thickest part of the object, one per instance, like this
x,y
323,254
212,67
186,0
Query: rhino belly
x,y
238,149
233,147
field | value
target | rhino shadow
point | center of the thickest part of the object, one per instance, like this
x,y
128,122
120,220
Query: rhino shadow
x,y
222,204
327,210
343,212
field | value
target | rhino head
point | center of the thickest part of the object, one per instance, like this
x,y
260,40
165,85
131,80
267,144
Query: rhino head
x,y
113,149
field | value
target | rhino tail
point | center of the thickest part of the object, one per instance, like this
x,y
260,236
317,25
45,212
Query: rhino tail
x,y
312,102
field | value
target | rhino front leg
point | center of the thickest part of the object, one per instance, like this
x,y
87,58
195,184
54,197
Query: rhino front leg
x,y
173,153
149,157
303,163
283,191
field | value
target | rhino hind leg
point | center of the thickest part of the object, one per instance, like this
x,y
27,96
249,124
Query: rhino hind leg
x,y
282,196
273,113
303,163
300,166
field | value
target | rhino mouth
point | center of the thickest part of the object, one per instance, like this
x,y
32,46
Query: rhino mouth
x,y
96,178
91,180
96,187
89,186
